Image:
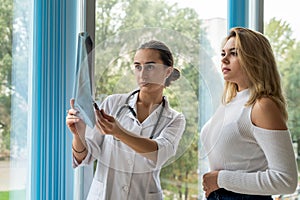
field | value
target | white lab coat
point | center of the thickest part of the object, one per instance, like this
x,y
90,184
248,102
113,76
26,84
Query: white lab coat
x,y
122,173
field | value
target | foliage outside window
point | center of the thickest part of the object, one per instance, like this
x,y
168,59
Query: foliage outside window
x,y
14,53
286,49
6,17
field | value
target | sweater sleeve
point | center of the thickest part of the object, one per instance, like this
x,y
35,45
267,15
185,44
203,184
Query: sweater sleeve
x,y
281,175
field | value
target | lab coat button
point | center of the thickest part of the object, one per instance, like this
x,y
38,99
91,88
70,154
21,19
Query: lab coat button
x,y
130,163
125,188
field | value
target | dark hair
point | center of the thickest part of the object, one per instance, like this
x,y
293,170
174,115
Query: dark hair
x,y
165,55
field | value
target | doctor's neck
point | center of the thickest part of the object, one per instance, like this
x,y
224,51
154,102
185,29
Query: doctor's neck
x,y
150,98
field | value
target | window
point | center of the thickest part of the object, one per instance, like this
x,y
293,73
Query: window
x,y
33,150
14,115
283,31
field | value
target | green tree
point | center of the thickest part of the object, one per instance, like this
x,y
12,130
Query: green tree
x,y
290,70
13,27
279,33
6,18
286,51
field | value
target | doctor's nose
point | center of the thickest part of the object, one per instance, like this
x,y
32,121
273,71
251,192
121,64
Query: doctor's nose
x,y
144,73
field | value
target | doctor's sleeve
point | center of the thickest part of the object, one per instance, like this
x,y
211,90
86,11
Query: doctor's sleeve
x,y
169,139
94,141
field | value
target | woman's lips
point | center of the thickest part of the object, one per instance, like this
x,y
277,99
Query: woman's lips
x,y
225,70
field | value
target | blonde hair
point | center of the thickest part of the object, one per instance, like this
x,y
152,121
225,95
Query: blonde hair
x,y
257,61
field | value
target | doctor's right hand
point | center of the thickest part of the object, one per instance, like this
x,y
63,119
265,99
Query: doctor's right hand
x,y
74,123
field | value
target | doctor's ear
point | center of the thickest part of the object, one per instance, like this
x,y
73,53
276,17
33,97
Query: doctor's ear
x,y
169,71
173,76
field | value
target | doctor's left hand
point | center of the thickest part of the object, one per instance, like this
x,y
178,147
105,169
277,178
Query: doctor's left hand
x,y
107,124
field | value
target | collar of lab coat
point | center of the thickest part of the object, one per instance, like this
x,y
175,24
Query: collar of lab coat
x,y
166,113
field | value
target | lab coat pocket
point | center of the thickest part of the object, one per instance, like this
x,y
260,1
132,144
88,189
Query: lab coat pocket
x,y
96,190
154,196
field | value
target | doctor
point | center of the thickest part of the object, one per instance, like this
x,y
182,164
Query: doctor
x,y
135,133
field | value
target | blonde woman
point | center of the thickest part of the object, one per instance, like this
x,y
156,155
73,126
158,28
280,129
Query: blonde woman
x,y
247,141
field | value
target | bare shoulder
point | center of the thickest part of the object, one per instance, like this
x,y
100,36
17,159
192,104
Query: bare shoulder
x,y
266,114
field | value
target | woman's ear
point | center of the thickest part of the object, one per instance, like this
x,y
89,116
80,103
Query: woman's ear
x,y
169,71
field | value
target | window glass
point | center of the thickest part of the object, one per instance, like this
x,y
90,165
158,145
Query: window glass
x,y
5,94
15,37
194,36
283,30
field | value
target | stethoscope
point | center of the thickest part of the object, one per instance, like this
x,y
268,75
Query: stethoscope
x,y
127,106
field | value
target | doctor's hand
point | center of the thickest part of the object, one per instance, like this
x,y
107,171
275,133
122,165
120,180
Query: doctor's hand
x,y
74,123
107,124
210,182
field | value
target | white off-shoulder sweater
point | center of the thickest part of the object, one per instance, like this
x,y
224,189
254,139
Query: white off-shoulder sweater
x,y
251,160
